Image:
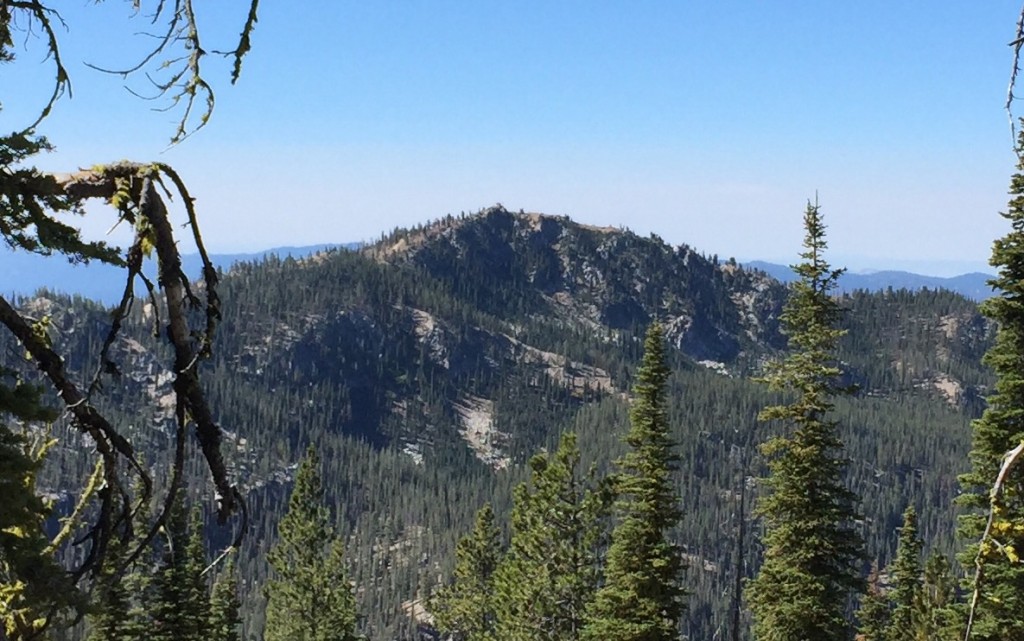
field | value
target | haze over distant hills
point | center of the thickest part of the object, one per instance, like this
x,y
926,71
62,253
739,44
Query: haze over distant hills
x,y
973,285
22,273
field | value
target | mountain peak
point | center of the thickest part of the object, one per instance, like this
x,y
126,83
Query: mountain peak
x,y
403,242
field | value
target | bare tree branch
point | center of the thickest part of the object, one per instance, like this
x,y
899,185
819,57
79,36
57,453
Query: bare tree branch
x,y
1010,461
1018,41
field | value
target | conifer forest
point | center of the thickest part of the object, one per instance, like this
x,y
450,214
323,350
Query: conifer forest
x,y
492,426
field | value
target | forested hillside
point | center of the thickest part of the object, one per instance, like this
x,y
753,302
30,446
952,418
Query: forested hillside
x,y
427,368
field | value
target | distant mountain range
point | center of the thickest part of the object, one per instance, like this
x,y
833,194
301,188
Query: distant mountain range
x,y
22,273
974,285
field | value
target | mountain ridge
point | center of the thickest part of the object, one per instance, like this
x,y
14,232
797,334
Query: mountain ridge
x,y
430,366
972,285
24,274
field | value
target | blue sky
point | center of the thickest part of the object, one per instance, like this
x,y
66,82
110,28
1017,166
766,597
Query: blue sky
x,y
708,123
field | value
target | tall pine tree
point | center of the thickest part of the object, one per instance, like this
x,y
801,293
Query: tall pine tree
x,y
1001,581
874,614
906,582
109,619
225,622
546,582
812,552
180,605
309,596
940,618
642,596
464,610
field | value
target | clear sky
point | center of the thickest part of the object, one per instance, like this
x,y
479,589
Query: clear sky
x,y
709,123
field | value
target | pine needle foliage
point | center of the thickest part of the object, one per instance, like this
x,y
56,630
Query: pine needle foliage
x,y
642,598
181,608
32,584
309,596
110,619
906,577
874,614
1000,429
547,581
812,556
464,609
941,618
225,607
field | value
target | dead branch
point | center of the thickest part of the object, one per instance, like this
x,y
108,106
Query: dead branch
x,y
1018,42
190,346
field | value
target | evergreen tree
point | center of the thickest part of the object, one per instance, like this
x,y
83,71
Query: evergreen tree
x,y
939,615
874,614
309,597
139,582
32,584
197,594
642,596
109,619
906,579
465,608
1001,584
225,619
546,582
181,608
812,552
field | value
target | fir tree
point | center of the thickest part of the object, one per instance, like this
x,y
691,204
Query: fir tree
x,y
225,619
197,595
465,608
32,583
874,614
139,581
812,552
180,609
906,578
940,617
309,597
1001,581
642,596
546,582
110,618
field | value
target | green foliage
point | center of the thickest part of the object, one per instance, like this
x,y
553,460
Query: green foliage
x,y
30,204
309,596
225,622
812,552
999,430
874,615
642,595
547,580
111,619
32,585
906,593
919,603
180,606
465,609
941,618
